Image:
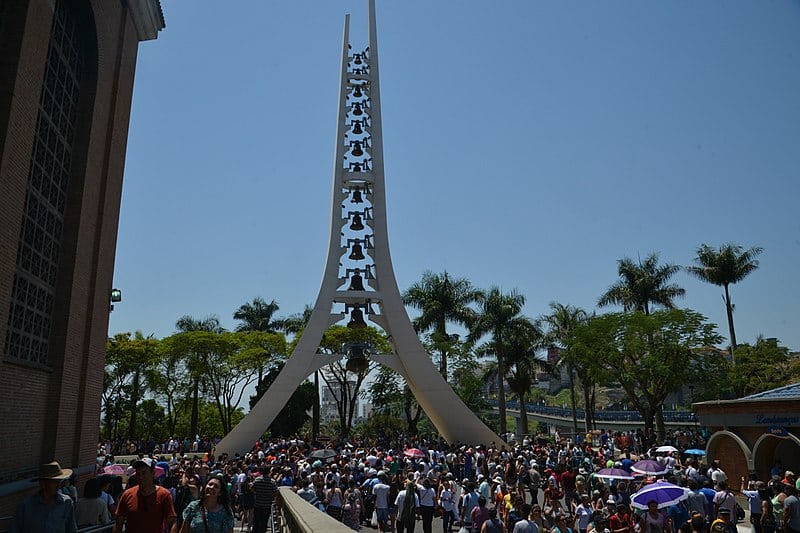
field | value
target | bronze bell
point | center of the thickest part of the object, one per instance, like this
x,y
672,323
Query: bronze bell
x,y
357,225
357,253
356,197
357,151
357,167
357,128
356,359
357,92
356,319
357,60
357,110
356,283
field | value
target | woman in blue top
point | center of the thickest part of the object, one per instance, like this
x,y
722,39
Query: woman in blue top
x,y
211,513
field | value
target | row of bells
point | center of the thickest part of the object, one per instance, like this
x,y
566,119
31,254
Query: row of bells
x,y
356,357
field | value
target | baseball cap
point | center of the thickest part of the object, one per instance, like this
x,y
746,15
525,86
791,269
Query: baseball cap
x,y
147,461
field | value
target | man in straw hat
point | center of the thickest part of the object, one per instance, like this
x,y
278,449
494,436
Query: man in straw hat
x,y
47,510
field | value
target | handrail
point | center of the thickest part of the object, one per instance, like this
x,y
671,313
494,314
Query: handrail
x,y
298,516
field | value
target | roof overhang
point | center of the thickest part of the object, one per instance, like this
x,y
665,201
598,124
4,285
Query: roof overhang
x,y
147,17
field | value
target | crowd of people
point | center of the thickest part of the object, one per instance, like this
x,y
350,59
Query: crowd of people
x,y
537,485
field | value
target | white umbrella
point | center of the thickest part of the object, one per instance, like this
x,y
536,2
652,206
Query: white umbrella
x,y
666,449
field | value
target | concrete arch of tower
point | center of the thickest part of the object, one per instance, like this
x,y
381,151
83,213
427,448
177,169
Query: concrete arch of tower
x,y
359,278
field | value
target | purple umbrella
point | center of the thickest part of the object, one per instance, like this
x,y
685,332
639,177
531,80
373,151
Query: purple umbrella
x,y
649,467
614,473
661,492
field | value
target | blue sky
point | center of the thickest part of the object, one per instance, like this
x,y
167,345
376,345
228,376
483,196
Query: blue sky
x,y
529,144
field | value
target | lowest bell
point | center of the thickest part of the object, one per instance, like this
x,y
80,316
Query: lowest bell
x,y
356,360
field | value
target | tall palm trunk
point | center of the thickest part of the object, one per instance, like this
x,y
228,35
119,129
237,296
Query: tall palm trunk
x,y
523,416
195,404
134,406
501,391
441,329
729,310
587,409
661,431
573,401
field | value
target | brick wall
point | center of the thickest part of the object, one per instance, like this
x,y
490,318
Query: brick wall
x,y
55,413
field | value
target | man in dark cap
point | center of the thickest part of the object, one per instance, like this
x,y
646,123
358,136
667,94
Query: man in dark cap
x,y
147,506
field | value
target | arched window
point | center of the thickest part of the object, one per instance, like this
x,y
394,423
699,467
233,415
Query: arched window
x,y
42,229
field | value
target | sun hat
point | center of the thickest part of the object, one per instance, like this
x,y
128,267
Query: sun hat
x,y
53,471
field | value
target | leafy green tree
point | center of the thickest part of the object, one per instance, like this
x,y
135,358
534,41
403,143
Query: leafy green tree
x,y
258,316
561,323
499,313
723,267
759,367
649,355
208,421
168,380
226,365
295,413
193,361
643,284
466,380
130,356
441,299
390,394
152,418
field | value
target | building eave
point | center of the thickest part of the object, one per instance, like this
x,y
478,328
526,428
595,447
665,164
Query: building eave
x,y
148,18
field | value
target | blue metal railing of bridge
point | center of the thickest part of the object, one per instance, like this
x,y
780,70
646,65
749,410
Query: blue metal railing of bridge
x,y
688,417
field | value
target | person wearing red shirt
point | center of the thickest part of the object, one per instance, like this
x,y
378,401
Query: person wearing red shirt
x,y
620,521
146,507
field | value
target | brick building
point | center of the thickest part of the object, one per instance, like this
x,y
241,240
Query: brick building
x,y
66,81
749,434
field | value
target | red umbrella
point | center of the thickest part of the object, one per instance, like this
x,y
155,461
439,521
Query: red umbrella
x,y
414,453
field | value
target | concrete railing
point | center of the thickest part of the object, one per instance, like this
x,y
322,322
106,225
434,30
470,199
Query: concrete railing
x,y
299,516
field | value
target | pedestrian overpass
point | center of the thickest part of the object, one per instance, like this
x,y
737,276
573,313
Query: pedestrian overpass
x,y
561,417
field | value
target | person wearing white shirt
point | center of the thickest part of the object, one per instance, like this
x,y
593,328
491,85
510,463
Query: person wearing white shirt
x,y
427,501
381,493
584,513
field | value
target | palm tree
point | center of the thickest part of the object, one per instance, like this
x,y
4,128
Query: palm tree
x,y
522,342
642,284
728,265
561,323
296,323
499,313
186,324
257,316
441,299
